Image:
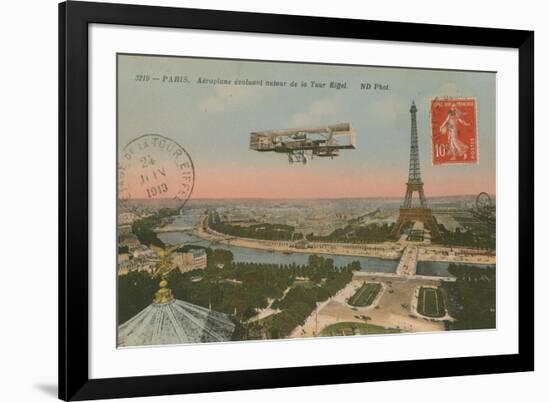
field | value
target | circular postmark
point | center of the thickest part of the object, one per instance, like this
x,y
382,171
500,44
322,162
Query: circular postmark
x,y
153,167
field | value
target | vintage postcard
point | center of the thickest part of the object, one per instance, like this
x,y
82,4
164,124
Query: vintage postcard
x,y
266,200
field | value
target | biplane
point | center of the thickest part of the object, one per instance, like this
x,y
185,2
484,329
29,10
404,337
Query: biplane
x,y
303,144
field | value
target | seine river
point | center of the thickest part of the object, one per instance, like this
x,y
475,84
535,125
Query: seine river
x,y
243,254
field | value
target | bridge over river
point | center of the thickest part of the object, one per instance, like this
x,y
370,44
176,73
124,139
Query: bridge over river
x,y
409,260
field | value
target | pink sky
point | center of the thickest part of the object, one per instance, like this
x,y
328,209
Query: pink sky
x,y
313,182
299,182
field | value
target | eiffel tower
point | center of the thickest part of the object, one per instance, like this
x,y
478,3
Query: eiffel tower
x,y
408,212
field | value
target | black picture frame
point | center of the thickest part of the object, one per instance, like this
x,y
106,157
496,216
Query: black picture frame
x,y
74,18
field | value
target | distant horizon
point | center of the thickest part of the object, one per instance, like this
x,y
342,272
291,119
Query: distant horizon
x,y
311,199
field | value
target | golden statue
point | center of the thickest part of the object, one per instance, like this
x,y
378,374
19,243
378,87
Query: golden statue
x,y
162,269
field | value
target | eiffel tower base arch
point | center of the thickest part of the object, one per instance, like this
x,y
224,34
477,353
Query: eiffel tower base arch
x,y
424,215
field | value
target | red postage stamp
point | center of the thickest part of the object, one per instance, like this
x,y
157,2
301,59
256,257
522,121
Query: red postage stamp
x,y
454,131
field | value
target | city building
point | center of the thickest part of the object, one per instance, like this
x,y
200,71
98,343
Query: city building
x,y
137,264
144,251
189,261
129,240
123,257
126,218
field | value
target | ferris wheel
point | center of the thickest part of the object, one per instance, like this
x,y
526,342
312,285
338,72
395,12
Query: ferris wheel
x,y
483,202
